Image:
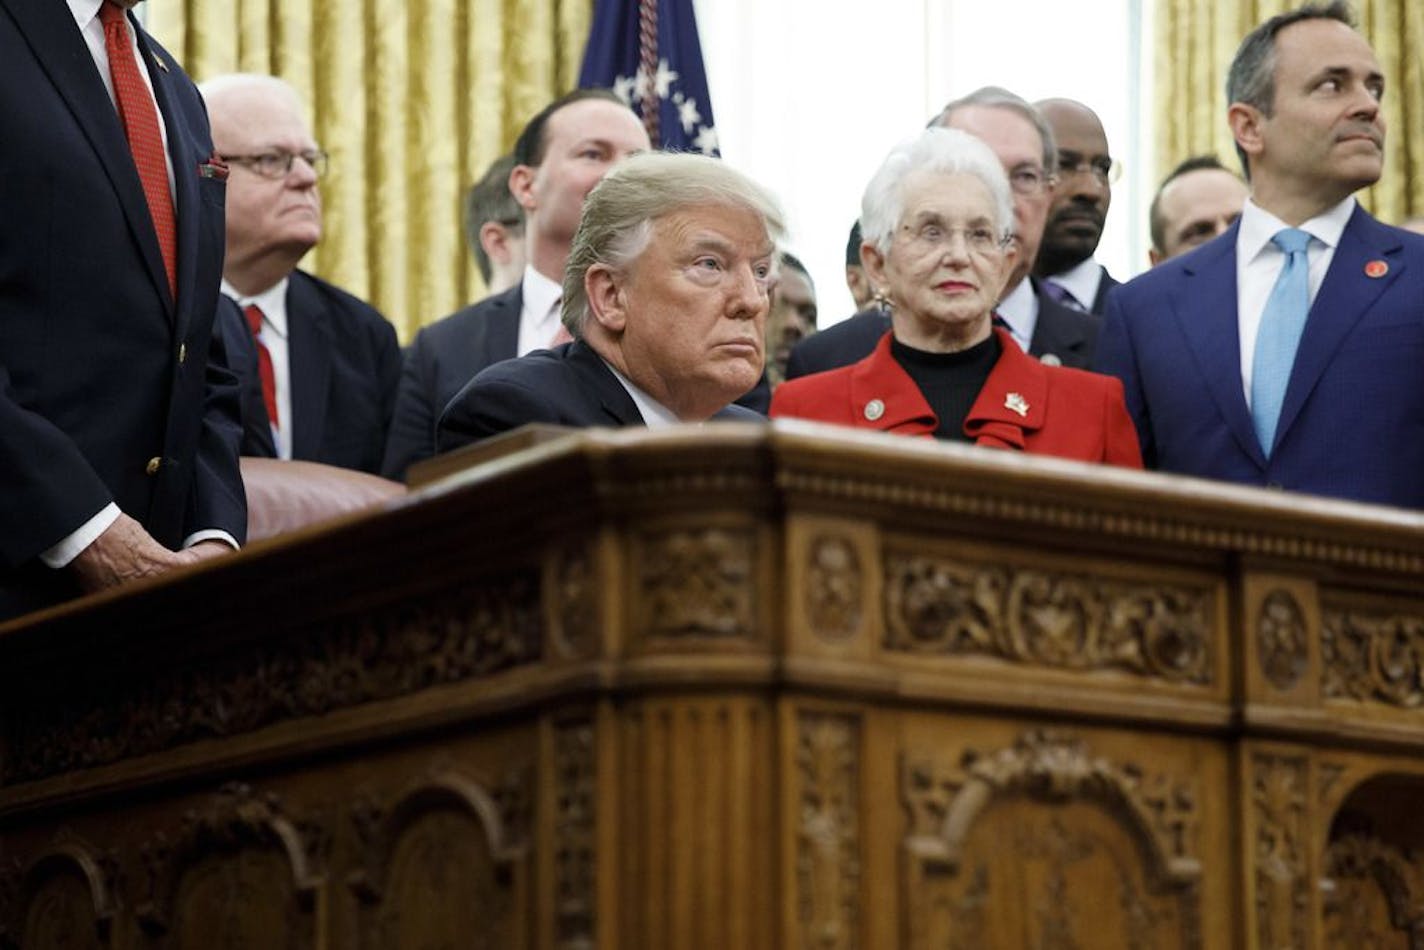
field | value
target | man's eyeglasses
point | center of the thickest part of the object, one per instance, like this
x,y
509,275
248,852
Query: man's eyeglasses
x,y
278,164
1030,180
1104,169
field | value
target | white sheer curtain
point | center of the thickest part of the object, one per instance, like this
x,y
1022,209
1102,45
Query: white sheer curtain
x,y
810,94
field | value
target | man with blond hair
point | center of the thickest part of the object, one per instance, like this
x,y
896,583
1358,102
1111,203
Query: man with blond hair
x,y
665,295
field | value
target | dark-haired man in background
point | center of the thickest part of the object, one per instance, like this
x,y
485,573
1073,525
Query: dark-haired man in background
x,y
562,153
1198,200
1287,352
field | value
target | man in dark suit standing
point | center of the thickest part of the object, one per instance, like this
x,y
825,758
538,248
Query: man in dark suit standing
x,y
1023,142
665,296
118,420
1081,197
1287,351
561,154
328,363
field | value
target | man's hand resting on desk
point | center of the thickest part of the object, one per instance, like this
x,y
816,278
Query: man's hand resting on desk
x,y
125,552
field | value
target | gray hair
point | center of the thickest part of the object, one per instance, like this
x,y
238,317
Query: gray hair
x,y
218,86
488,200
1251,80
997,97
618,214
949,151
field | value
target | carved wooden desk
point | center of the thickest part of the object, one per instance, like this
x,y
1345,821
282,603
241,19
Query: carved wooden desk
x,y
739,687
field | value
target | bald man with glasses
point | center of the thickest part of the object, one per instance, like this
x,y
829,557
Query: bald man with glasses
x,y
326,363
1081,197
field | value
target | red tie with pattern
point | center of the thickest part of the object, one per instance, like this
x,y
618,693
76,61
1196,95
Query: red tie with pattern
x,y
140,118
264,363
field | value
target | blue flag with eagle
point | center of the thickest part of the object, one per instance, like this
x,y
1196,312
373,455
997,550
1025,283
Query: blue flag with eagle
x,y
647,52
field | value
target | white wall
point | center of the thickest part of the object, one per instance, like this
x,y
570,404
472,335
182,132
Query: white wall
x,y
810,94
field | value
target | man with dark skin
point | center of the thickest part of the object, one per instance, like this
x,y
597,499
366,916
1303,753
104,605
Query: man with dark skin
x,y
1080,207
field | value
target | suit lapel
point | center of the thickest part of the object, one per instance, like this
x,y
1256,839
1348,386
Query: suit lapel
x,y
308,364
613,400
1204,306
1345,296
62,53
1058,330
501,339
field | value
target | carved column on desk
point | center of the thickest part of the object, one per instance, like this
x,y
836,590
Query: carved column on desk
x,y
827,834
1281,840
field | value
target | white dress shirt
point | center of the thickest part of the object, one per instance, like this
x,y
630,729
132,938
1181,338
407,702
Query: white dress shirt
x,y
1081,281
1259,263
655,414
273,304
539,314
1019,309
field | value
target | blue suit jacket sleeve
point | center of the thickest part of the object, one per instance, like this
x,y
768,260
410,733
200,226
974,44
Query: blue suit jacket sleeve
x,y
1115,356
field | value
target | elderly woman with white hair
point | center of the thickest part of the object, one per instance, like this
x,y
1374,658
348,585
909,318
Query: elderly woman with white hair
x,y
936,221
666,295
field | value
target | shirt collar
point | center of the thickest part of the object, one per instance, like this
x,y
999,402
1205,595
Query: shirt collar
x,y
1019,308
84,11
1258,226
540,293
1081,281
272,302
655,414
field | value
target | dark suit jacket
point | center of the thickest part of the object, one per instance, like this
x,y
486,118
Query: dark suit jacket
x,y
568,386
1352,424
344,368
1062,331
101,371
1024,405
442,358
1100,302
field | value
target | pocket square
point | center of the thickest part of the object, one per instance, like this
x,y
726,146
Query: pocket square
x,y
214,167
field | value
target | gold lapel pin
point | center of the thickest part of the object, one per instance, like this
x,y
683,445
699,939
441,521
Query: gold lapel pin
x,y
1016,403
1376,269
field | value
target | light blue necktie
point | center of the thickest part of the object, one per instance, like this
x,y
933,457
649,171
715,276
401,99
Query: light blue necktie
x,y
1276,342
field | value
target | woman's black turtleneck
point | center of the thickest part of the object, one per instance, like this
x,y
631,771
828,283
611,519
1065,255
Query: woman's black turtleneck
x,y
950,382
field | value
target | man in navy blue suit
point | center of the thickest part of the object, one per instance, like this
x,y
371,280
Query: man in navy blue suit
x,y
118,419
332,360
665,295
561,154
1333,402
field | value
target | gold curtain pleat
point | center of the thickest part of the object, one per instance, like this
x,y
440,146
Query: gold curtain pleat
x,y
1195,42
412,99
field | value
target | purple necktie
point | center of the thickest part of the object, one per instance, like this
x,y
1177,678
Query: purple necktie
x,y
1063,295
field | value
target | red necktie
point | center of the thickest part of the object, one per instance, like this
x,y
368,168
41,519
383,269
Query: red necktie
x,y
264,363
140,118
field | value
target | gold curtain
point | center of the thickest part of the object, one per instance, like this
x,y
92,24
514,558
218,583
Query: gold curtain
x,y
1195,42
413,99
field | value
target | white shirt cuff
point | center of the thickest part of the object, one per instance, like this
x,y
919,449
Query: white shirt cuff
x,y
70,547
211,534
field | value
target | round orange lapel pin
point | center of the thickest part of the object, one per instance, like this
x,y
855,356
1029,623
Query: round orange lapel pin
x,y
1376,269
